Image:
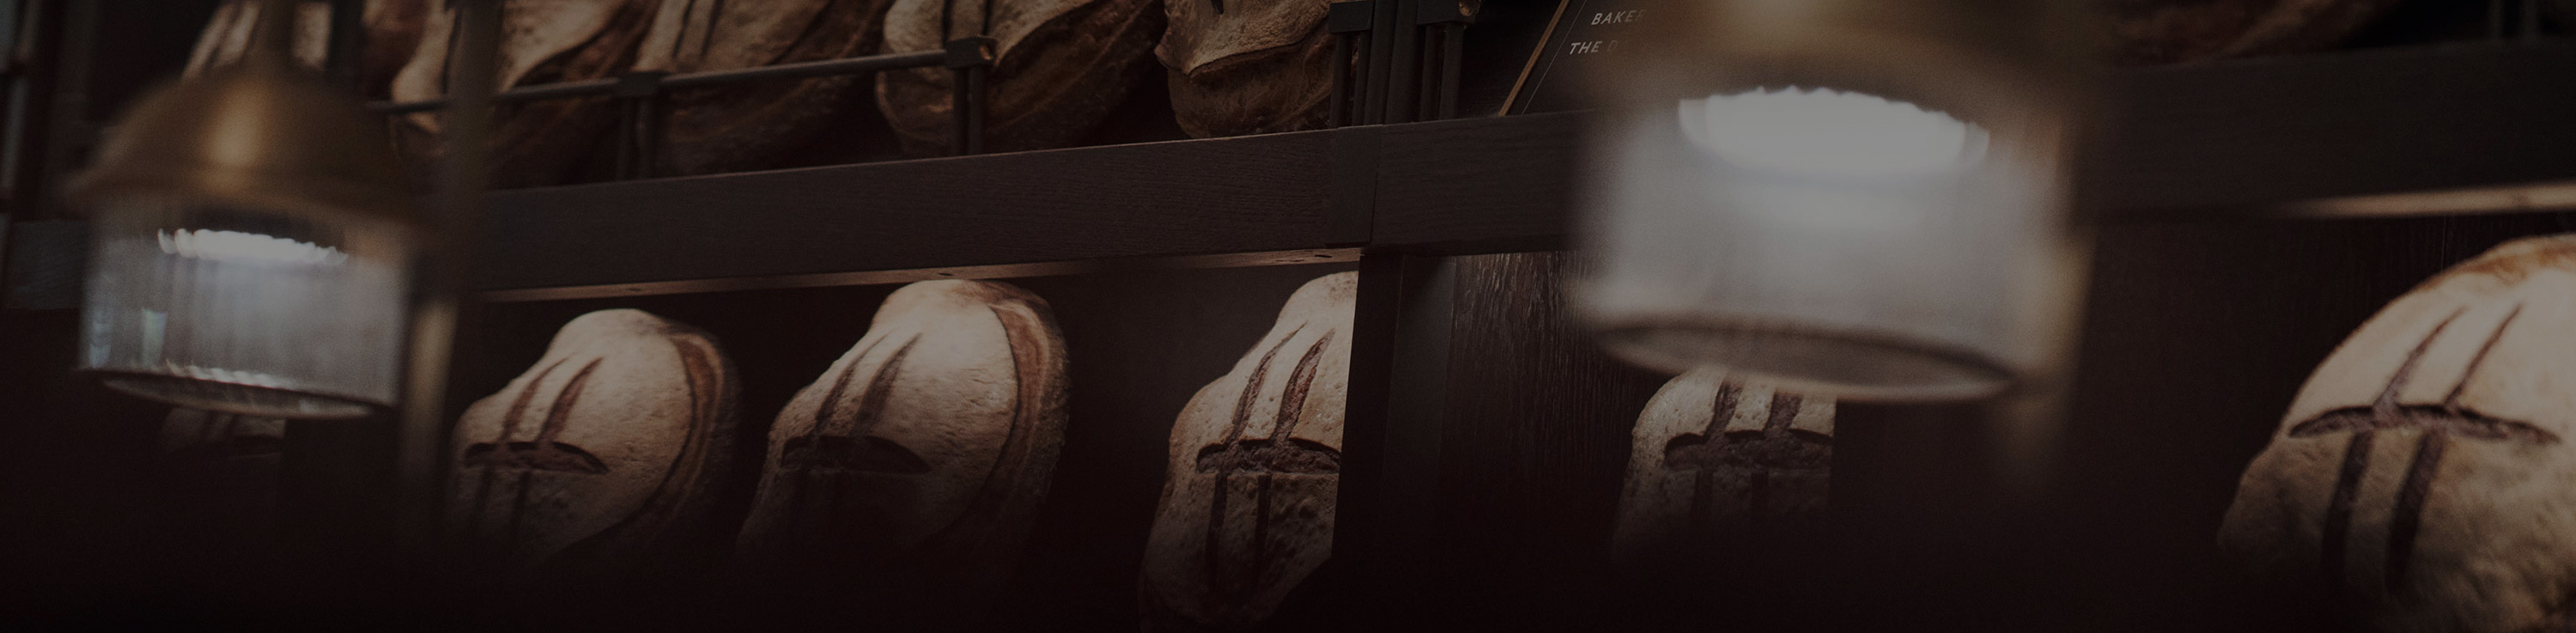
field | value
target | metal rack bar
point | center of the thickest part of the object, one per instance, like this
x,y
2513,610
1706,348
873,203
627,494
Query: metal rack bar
x,y
968,60
1350,22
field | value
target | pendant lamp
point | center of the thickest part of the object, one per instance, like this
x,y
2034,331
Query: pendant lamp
x,y
1859,199
253,244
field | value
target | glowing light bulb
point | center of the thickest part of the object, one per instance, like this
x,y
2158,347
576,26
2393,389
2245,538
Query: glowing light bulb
x,y
1825,133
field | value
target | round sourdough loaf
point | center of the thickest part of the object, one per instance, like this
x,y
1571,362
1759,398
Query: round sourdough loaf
x,y
542,42
2165,31
606,457
1060,68
923,452
392,32
1247,66
1255,467
2422,478
1711,454
752,125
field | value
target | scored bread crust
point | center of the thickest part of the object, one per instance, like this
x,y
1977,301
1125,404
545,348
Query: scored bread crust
x,y
2357,500
649,404
1060,68
2167,31
535,142
1762,457
751,125
1253,473
924,451
1261,66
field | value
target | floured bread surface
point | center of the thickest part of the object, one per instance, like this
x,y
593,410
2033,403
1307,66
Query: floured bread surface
x,y
2423,475
392,32
542,42
1249,491
1060,68
2164,31
926,449
751,125
606,455
1710,454
1247,66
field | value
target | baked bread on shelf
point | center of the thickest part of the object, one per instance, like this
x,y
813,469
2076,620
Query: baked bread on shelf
x,y
1060,68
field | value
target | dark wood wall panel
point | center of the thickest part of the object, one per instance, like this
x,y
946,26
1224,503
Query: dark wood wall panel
x,y
1534,446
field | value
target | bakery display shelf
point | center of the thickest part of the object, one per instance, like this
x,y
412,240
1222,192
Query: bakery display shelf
x,y
2441,129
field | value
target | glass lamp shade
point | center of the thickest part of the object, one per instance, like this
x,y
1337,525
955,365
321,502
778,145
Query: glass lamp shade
x,y
247,311
1850,198
253,236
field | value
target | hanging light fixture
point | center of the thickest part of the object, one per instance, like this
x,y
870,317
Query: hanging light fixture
x,y
253,238
1853,198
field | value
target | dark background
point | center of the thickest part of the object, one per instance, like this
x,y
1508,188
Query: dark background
x,y
2197,337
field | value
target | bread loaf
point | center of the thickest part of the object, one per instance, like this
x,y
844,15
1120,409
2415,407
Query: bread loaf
x,y
1060,68
2421,478
1249,491
542,42
1710,453
208,435
392,32
1247,66
924,451
227,465
2165,31
605,457
750,125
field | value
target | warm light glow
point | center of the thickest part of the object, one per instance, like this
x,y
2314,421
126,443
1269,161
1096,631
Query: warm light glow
x,y
236,246
1830,134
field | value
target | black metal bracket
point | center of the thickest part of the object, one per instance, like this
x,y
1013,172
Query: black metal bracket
x,y
1349,22
969,59
2513,19
1443,26
638,93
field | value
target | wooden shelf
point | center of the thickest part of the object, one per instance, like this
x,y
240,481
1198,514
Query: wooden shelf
x,y
2386,131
